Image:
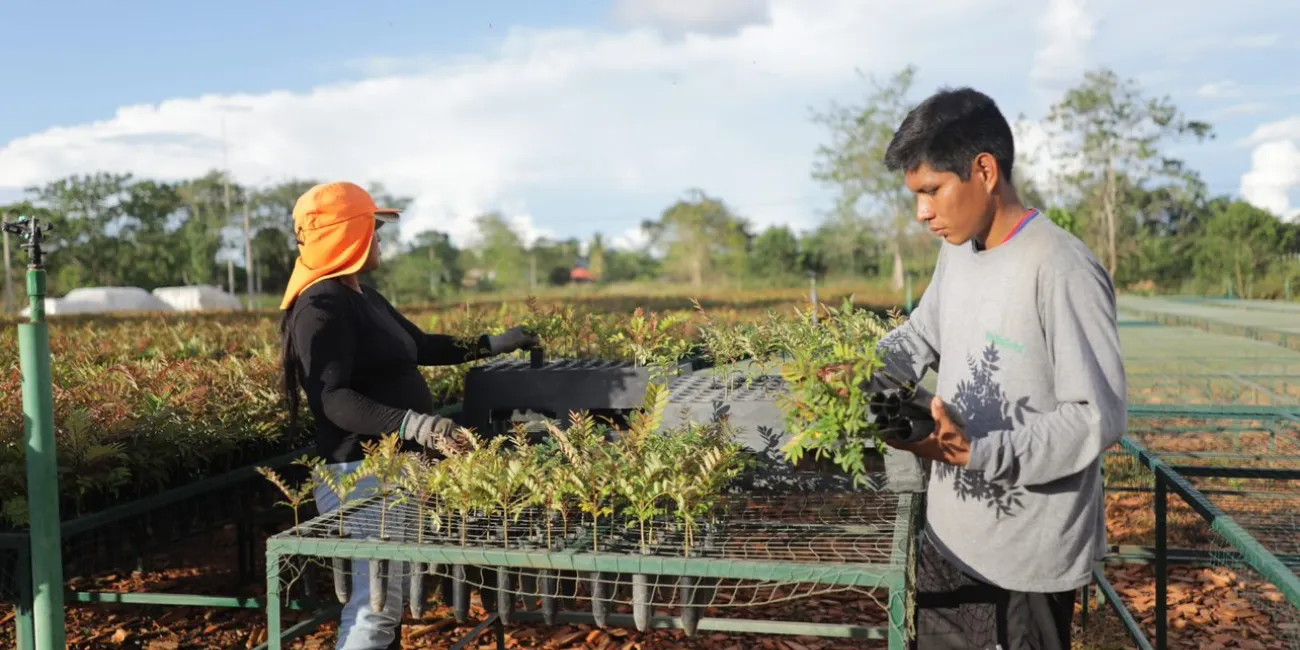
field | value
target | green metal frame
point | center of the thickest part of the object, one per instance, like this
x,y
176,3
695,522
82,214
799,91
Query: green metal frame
x,y
19,543
895,577
1173,478
46,561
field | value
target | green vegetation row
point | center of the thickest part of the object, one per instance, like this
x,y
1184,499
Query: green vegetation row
x,y
146,403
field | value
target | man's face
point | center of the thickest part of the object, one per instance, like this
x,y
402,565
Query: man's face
x,y
951,208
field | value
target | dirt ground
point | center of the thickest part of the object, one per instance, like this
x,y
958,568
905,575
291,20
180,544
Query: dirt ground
x,y
1211,608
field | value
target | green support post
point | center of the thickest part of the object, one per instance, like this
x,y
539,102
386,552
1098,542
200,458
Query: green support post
x,y
908,282
42,464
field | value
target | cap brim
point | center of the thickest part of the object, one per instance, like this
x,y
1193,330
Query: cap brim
x,y
387,215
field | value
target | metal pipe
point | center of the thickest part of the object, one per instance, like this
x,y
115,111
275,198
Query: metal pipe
x,y
42,460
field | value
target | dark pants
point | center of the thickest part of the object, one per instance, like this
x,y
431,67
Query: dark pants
x,y
957,612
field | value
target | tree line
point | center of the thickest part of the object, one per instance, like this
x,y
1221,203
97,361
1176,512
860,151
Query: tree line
x,y
1146,214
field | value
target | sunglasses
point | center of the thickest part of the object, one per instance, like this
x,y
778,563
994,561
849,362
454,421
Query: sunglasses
x,y
382,218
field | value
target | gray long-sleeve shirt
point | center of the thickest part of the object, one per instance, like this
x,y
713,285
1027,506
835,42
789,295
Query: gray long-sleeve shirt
x,y
1032,371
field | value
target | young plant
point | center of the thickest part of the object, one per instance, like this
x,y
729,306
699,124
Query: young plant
x,y
824,363
385,462
504,481
706,461
643,484
341,484
592,470
295,497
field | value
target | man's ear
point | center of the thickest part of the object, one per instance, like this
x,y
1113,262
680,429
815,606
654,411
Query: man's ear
x,y
985,168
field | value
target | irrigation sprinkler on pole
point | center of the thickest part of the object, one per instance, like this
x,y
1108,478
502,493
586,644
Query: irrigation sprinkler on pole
x,y
42,463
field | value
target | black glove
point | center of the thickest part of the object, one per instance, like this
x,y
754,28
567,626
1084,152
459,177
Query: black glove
x,y
515,338
434,432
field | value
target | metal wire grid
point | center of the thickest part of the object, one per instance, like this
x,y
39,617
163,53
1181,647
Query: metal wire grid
x,y
758,550
1148,344
1269,387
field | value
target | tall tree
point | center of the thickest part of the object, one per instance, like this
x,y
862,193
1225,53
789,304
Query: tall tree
x,y
1240,243
700,236
854,162
1105,133
775,254
596,256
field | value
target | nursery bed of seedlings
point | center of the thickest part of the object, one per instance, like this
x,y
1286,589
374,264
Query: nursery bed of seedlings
x,y
1276,328
1278,320
1226,370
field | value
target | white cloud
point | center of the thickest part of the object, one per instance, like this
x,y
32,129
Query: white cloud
x,y
608,122
700,16
1065,30
1274,174
1218,89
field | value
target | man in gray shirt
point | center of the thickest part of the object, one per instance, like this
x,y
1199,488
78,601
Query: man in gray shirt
x,y
1019,320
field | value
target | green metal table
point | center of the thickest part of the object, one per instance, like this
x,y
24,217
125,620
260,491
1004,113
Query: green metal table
x,y
759,551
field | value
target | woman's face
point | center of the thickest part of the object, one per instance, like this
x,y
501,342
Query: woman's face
x,y
372,260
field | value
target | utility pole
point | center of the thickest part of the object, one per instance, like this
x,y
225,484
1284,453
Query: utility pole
x,y
225,190
248,247
8,287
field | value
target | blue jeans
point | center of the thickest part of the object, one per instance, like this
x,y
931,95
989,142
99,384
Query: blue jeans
x,y
360,627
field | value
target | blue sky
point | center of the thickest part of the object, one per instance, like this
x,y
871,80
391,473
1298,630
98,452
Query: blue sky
x,y
579,115
82,59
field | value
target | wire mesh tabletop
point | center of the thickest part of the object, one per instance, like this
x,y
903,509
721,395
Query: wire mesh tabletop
x,y
747,551
825,529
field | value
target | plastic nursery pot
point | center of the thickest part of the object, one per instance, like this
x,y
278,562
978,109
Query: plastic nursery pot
x,y
415,589
505,594
527,578
459,593
641,600
341,567
688,595
378,573
599,599
692,591
602,587
548,585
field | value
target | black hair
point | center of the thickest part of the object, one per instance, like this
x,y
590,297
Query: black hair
x,y
948,130
289,370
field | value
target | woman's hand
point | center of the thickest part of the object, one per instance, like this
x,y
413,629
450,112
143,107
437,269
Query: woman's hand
x,y
434,432
515,338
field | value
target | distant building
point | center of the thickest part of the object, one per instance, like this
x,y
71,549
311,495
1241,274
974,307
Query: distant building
x,y
580,274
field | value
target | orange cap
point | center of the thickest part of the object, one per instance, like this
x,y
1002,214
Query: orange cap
x,y
334,224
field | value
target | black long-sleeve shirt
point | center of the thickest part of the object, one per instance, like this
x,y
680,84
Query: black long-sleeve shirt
x,y
359,361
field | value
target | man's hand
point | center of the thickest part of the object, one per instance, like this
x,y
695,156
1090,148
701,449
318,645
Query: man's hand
x,y
948,444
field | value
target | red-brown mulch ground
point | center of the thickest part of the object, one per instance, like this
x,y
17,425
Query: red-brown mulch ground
x,y
1213,608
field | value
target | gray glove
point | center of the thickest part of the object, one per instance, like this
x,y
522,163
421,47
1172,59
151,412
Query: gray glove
x,y
431,432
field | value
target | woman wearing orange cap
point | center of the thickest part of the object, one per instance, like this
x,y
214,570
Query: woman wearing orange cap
x,y
357,359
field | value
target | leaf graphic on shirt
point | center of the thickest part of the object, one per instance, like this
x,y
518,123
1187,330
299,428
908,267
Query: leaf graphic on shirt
x,y
1022,406
982,406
